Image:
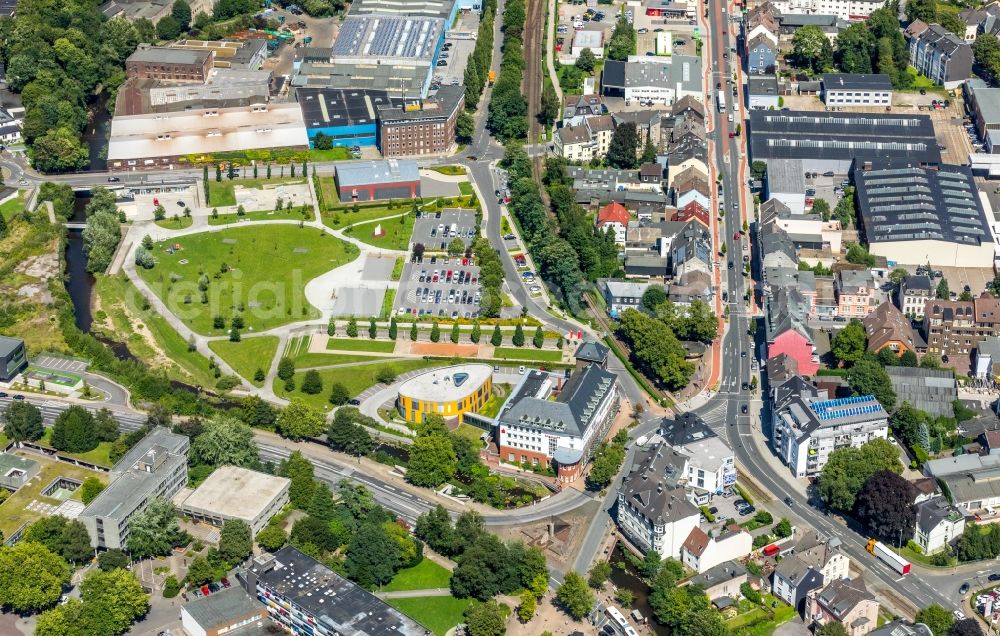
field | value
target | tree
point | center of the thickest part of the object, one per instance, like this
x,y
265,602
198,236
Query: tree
x,y
518,339
393,328
321,506
347,436
435,332
171,587
352,328
23,421
490,618
653,297
255,412
857,254
434,527
847,470
286,368
372,556
272,538
114,600
623,41
574,595
59,150
312,383
168,28
455,333
465,127
599,574
607,460
181,11
656,348
586,61
854,49
811,49
908,359
549,105
200,571
456,247
385,375
372,328
622,153
942,292
235,541
937,618
413,331
299,469
67,538
226,440
966,627
496,339
866,377
31,576
850,343
339,394
832,628
154,532
885,506
73,431
539,338
112,559
432,461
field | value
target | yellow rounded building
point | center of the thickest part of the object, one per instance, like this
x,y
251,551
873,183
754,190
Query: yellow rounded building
x,y
449,391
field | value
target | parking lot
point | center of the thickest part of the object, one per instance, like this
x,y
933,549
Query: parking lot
x,y
437,229
457,51
439,286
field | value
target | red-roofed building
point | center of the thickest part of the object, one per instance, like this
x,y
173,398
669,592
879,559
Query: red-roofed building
x,y
692,210
615,216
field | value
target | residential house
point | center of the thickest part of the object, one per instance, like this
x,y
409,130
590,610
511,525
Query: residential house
x,y
786,182
620,295
802,281
602,128
724,580
825,555
591,352
986,364
762,92
787,331
688,153
577,108
844,601
793,579
710,466
761,20
648,124
856,293
615,217
914,292
780,368
776,247
831,25
573,143
954,328
886,326
651,173
807,427
692,186
980,20
939,54
938,524
762,55
650,513
691,286
691,250
702,553
693,211
806,231
933,391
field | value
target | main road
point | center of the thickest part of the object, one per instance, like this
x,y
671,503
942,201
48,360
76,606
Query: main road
x,y
725,408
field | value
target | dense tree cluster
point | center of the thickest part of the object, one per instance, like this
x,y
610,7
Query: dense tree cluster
x,y
875,46
62,55
22,422
847,470
102,232
656,348
110,601
685,610
986,53
65,537
31,576
508,108
885,506
76,430
348,434
155,531
623,40
486,565
225,440
491,277
607,460
943,13
811,49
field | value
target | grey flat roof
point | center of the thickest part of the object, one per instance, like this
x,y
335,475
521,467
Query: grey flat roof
x,y
899,201
218,493
9,461
387,38
167,55
988,101
222,608
376,172
856,82
613,75
842,136
762,85
9,345
326,107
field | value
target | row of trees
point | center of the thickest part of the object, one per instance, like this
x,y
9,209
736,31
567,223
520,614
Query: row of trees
x,y
508,109
478,68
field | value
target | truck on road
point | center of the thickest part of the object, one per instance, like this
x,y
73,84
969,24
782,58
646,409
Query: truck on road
x,y
885,554
720,97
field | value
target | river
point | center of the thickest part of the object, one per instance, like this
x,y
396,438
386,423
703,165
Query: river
x,y
630,580
80,282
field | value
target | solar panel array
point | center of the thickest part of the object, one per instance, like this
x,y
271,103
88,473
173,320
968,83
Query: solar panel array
x,y
846,407
380,37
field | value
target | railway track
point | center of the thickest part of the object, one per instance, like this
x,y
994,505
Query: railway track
x,y
533,26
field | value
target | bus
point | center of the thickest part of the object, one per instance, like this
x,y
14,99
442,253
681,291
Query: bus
x,y
720,99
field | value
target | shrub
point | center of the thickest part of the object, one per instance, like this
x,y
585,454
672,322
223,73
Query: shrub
x,y
171,587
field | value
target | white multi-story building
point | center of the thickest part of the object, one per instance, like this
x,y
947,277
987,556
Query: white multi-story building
x,y
560,432
807,427
701,552
653,512
857,89
710,467
844,9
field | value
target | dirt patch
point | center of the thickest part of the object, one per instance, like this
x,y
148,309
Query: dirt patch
x,y
44,266
444,349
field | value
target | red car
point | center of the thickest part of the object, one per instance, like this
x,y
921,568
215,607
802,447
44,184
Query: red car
x,y
736,236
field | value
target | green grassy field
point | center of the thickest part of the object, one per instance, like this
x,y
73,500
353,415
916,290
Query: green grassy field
x,y
261,215
268,267
180,223
12,207
247,355
342,217
449,170
332,154
361,344
534,355
100,455
115,295
387,301
437,613
396,235
356,379
426,575
222,193
465,188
